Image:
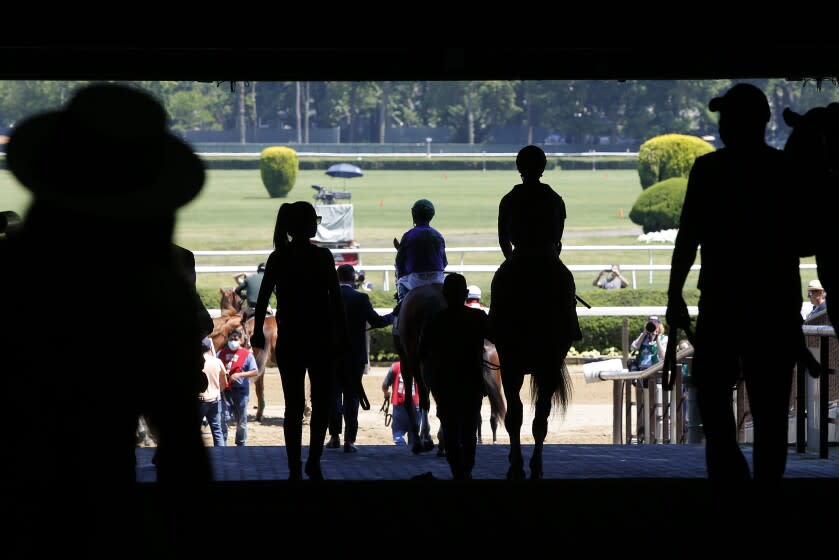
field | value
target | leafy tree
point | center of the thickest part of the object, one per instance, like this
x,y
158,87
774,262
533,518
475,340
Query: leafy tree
x,y
278,167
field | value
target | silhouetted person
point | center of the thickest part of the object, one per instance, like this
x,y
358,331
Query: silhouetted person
x,y
349,390
454,340
308,305
532,335
107,179
735,209
248,289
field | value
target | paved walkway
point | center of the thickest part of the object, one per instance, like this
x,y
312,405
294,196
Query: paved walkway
x,y
561,462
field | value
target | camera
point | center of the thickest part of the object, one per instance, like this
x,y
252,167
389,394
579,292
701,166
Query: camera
x,y
650,327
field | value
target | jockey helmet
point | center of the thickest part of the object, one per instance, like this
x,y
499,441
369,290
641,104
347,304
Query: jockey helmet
x,y
422,210
473,292
531,160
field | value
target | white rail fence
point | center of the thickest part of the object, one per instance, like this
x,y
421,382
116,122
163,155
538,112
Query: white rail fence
x,y
388,269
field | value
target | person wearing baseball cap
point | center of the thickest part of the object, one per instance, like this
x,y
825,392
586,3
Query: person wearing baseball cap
x,y
740,209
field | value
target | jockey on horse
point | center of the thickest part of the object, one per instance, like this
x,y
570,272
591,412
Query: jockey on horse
x,y
420,263
420,255
532,337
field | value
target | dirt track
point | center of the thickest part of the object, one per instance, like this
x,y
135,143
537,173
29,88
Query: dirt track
x,y
588,419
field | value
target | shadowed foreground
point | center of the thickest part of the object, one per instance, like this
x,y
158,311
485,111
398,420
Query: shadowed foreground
x,y
596,490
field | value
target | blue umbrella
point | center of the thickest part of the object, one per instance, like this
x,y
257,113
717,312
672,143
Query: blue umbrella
x,y
344,170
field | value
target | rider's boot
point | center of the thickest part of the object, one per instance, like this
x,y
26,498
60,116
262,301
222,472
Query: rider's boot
x,y
395,312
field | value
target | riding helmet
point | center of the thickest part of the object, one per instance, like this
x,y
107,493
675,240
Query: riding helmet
x,y
422,209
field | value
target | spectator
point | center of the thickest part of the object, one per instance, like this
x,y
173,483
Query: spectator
x,y
400,422
310,302
610,279
241,366
650,345
473,298
453,340
361,282
210,399
818,297
349,390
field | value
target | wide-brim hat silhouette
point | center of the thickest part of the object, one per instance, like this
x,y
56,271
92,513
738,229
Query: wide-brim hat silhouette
x,y
107,153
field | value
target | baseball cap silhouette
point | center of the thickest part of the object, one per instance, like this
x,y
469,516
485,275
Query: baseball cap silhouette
x,y
742,100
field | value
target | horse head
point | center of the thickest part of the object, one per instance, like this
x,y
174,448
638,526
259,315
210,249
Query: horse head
x,y
230,302
813,147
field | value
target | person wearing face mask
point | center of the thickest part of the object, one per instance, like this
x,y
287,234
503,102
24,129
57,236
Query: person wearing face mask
x,y
241,366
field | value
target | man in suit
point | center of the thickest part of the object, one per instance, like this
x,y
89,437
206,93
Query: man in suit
x,y
349,392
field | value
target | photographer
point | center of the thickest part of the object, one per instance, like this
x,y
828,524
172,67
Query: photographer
x,y
650,345
610,279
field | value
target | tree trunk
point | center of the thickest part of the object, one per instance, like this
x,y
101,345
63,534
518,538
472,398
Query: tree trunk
x,y
383,112
297,112
242,117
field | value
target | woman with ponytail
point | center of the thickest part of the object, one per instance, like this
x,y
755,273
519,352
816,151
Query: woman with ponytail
x,y
308,304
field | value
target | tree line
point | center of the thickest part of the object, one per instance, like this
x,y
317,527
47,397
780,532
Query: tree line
x,y
576,111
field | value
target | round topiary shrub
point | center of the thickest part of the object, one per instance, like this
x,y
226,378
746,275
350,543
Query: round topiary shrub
x,y
660,206
669,155
278,167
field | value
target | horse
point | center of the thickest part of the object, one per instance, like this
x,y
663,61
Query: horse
x,y
418,306
532,335
813,146
231,307
492,382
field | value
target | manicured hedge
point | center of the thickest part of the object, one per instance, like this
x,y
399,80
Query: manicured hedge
x,y
660,206
669,155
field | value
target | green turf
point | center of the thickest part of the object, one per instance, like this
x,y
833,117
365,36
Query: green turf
x,y
234,212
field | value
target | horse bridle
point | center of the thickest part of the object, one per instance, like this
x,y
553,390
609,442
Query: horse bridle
x,y
386,409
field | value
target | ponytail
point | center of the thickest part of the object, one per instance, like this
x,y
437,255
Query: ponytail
x,y
282,226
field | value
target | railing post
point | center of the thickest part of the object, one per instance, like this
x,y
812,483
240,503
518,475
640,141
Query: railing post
x,y
627,387
824,387
801,408
651,264
617,402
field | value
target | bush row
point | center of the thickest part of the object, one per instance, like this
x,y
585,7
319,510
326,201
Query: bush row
x,y
426,164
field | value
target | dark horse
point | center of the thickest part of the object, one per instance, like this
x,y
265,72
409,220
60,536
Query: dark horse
x,y
532,336
419,305
814,148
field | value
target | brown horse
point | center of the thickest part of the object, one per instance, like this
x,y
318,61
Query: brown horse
x,y
492,382
231,306
421,303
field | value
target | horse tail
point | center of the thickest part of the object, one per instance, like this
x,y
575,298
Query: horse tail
x,y
492,382
557,380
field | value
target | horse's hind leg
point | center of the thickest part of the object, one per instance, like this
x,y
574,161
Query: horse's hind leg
x,y
259,386
540,432
493,424
512,381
